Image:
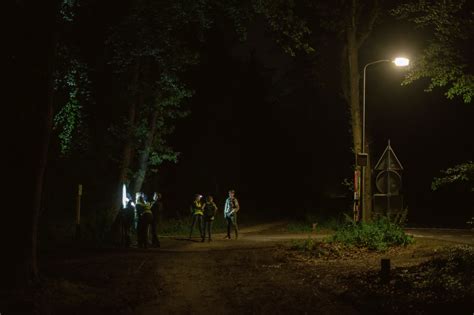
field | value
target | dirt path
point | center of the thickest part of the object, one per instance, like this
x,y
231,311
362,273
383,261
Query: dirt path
x,y
461,236
255,274
233,277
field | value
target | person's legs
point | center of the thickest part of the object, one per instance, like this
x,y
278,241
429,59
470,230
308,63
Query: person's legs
x,y
234,223
204,229
192,225
140,231
154,231
126,232
147,222
229,225
209,227
199,222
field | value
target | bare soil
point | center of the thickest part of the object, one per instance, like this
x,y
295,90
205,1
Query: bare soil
x,y
256,274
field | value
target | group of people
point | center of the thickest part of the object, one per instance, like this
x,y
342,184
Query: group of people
x,y
203,213
145,216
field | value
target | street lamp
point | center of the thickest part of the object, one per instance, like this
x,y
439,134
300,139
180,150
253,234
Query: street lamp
x,y
399,62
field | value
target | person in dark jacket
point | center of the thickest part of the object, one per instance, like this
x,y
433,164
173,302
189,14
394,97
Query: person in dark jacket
x,y
157,210
145,219
127,217
210,210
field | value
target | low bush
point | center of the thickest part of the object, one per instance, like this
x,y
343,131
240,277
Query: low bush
x,y
376,235
306,245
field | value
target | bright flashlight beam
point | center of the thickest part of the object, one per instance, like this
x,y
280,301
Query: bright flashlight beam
x,y
401,62
124,196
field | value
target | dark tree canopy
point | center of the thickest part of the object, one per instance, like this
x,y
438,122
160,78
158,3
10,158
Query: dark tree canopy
x,y
445,60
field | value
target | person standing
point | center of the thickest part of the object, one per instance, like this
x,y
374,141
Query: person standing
x,y
210,210
145,219
127,217
196,213
157,210
231,208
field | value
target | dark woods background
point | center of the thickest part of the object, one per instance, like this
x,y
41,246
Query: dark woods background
x,y
271,126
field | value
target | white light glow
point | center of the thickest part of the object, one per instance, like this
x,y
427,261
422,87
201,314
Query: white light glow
x,y
401,62
124,196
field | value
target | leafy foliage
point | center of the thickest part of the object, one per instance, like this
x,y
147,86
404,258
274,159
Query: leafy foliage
x,y
307,245
67,10
152,47
461,173
291,29
377,235
445,59
161,33
72,87
168,106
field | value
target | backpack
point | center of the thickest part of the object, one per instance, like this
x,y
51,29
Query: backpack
x,y
210,209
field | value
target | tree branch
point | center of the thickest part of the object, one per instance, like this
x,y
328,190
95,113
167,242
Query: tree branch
x,y
373,15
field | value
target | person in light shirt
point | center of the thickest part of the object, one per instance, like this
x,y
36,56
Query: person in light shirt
x,y
231,208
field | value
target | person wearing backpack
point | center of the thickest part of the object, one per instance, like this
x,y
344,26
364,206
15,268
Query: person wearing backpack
x,y
210,210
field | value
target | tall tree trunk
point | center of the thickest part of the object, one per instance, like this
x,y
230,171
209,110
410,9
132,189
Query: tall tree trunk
x,y
127,153
354,87
354,39
129,146
31,126
145,154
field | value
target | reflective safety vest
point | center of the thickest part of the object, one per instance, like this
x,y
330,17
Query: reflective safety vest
x,y
197,208
147,208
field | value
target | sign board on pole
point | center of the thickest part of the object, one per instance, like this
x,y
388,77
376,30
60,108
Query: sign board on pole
x,y
362,159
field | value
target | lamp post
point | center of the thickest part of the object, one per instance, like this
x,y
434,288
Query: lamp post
x,y
399,62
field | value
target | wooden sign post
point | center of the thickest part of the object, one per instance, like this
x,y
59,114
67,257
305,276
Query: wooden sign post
x,y
78,212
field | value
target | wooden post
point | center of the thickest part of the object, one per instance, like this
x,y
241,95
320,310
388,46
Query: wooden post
x,y
385,270
78,212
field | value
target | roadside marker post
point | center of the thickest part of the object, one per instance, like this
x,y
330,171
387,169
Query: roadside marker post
x,y
78,212
385,270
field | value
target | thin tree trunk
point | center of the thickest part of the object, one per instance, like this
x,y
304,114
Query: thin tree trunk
x,y
145,154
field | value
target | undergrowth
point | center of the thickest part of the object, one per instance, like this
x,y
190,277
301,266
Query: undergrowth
x,y
441,285
377,235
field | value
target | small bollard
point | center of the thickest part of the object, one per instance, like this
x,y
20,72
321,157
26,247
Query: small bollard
x,y
385,270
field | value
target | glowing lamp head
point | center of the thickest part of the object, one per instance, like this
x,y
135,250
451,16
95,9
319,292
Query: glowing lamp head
x,y
401,62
